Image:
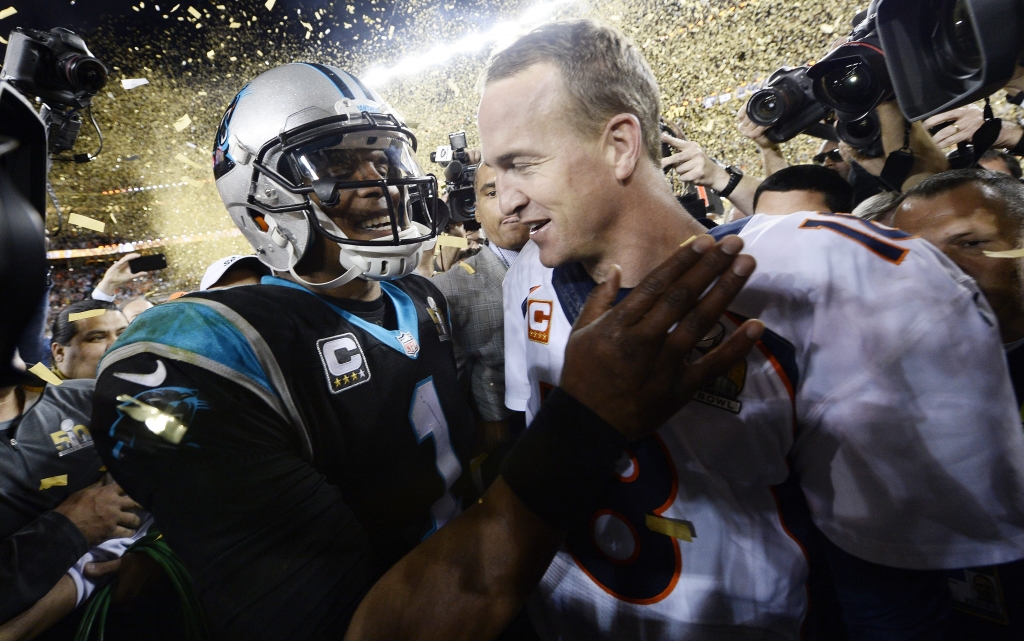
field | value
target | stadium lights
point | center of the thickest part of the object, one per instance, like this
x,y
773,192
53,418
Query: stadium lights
x,y
471,43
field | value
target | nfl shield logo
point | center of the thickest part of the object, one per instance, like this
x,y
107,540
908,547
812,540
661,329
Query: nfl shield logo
x,y
412,348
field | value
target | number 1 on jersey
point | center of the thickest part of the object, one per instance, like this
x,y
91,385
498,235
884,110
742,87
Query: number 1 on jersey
x,y
427,418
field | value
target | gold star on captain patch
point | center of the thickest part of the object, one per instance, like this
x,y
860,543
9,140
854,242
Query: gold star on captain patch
x,y
337,382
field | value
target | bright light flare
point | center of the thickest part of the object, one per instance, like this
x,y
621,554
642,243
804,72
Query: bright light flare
x,y
470,43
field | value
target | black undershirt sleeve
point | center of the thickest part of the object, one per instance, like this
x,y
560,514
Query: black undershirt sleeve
x,y
33,559
274,550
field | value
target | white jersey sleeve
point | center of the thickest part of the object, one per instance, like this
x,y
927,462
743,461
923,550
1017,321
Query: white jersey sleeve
x,y
517,381
908,443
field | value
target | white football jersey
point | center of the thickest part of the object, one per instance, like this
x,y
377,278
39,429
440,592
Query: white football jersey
x,y
880,381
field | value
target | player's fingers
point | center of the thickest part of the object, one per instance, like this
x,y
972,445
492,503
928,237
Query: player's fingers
x,y
601,299
96,570
129,520
121,533
719,360
681,298
645,295
128,503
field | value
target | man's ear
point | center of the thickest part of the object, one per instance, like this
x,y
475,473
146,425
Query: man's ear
x,y
57,351
623,142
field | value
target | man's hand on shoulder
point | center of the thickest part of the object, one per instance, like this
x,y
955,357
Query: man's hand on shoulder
x,y
101,512
629,363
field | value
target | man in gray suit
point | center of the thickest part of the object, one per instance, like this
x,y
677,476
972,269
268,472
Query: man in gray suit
x,y
473,290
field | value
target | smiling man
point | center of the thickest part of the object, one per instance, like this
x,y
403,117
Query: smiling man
x,y
304,440
876,352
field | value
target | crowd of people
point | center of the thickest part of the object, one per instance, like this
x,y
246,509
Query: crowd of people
x,y
641,395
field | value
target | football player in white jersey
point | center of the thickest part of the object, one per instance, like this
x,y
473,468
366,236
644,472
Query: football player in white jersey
x,y
878,352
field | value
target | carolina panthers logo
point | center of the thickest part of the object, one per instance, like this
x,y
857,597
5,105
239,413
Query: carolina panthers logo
x,y
165,411
222,161
180,402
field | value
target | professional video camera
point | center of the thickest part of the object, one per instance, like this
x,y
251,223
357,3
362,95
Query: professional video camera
x,y
459,175
22,198
56,67
943,54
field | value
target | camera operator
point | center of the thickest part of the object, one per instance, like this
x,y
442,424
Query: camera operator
x,y
473,290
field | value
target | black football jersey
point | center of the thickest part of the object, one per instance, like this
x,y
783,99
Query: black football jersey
x,y
289,450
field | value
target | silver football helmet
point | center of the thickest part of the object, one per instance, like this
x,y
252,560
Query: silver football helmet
x,y
307,149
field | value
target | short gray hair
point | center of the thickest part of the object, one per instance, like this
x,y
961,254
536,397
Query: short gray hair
x,y
1006,189
603,72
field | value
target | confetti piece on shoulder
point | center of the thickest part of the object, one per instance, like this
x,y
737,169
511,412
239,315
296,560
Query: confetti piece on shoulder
x,y
77,316
176,295
8,12
53,481
85,221
181,123
676,528
467,267
132,83
270,4
185,159
446,240
1012,253
43,372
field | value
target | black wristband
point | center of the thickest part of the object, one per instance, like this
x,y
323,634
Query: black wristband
x,y
564,463
735,176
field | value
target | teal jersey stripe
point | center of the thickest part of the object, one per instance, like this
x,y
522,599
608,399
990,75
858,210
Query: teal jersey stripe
x,y
408,320
200,330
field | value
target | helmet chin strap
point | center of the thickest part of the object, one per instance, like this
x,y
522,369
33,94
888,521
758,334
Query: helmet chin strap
x,y
282,241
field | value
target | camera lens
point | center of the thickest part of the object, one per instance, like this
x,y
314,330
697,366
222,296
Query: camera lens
x,y
84,73
956,43
848,85
766,107
861,134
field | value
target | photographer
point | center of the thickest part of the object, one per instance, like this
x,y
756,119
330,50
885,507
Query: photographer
x,y
473,290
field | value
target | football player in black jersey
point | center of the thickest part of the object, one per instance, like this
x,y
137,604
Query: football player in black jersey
x,y
295,439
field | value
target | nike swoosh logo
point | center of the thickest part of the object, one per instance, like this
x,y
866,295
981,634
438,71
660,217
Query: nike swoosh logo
x,y
146,380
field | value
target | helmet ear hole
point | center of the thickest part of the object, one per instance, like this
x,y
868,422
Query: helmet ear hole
x,y
258,219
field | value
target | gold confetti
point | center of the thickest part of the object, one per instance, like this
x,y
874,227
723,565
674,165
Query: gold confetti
x,y
85,221
467,267
195,13
43,372
446,240
92,313
235,25
181,123
53,481
270,4
160,423
676,528
209,54
687,241
183,158
8,12
1011,253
